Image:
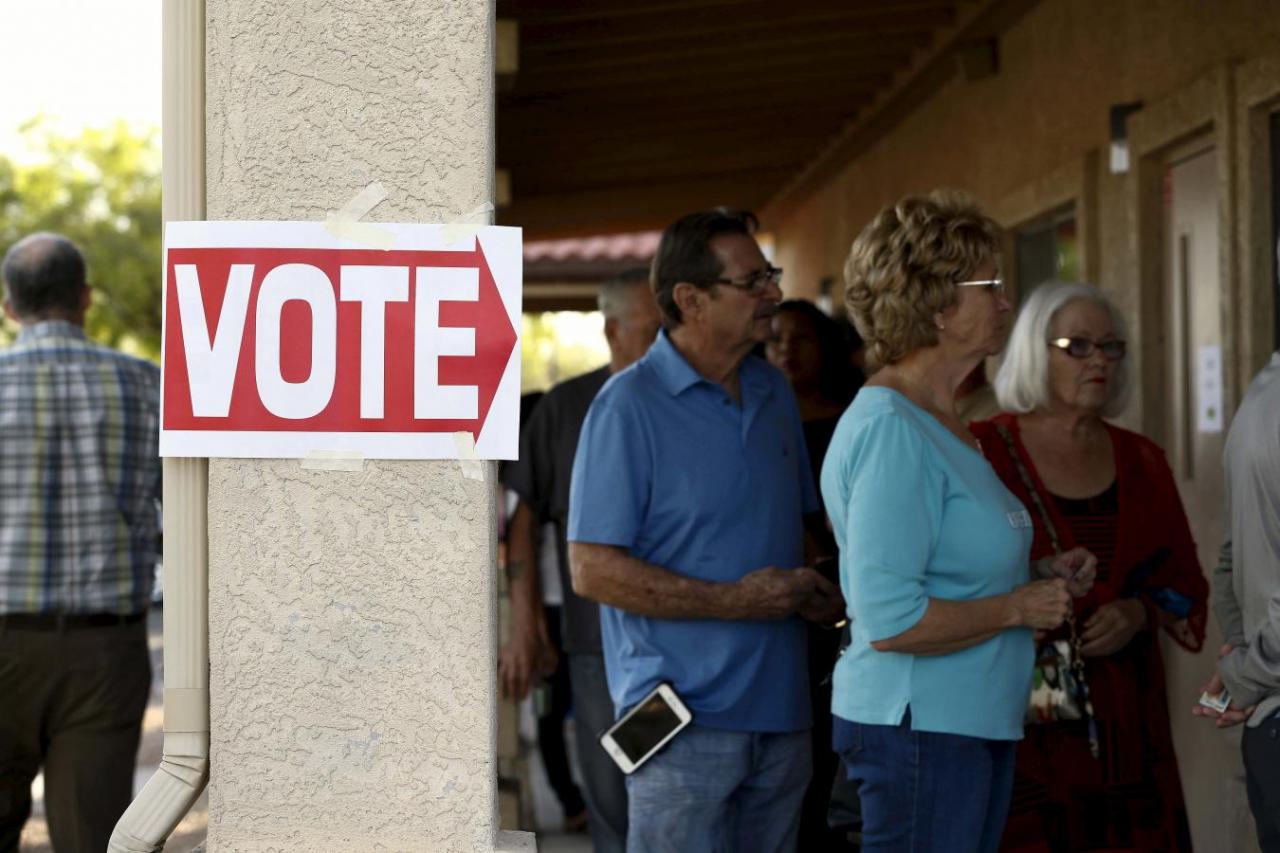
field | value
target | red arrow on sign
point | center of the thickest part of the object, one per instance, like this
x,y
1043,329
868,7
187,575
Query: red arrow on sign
x,y
332,340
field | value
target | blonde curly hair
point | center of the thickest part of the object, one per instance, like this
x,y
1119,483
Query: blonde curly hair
x,y
903,268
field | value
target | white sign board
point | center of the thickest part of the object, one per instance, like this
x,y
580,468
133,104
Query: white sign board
x,y
282,340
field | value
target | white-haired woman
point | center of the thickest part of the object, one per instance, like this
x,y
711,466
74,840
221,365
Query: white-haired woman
x,y
1091,484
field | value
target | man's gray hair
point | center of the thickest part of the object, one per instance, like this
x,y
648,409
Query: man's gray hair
x,y
1022,383
615,292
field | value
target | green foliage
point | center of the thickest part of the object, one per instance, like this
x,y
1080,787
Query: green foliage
x,y
558,345
101,189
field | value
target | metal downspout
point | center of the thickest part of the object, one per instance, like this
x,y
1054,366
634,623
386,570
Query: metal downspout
x,y
184,765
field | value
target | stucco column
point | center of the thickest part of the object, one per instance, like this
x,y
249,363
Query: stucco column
x,y
351,611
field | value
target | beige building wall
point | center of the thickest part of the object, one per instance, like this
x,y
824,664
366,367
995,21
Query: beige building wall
x,y
1061,67
351,611
1035,137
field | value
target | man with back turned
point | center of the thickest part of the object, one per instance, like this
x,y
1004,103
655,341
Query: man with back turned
x,y
79,492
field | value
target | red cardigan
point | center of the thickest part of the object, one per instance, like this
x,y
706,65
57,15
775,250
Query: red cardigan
x,y
1151,523
1128,687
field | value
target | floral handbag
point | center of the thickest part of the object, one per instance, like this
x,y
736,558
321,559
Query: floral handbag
x,y
1059,692
1056,688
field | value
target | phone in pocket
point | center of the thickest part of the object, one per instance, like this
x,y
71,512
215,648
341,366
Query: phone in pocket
x,y
646,728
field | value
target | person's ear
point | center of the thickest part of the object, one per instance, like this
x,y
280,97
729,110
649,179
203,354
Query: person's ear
x,y
86,298
611,329
689,299
9,312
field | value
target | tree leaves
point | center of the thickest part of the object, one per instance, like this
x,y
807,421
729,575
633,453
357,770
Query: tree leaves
x,y
100,188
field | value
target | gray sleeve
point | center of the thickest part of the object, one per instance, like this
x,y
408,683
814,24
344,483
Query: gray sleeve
x,y
1223,598
1252,672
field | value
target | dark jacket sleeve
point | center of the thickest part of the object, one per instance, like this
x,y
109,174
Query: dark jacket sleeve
x,y
1181,573
531,475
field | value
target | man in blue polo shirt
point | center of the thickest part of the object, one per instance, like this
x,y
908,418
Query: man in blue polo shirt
x,y
687,511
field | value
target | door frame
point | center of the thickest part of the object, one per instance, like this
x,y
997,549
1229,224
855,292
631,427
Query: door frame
x,y
1257,96
1073,184
1182,405
1202,109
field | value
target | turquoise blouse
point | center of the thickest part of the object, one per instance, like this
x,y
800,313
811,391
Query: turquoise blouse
x,y
920,514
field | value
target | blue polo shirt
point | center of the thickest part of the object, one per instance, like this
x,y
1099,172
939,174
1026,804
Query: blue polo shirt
x,y
920,514
675,472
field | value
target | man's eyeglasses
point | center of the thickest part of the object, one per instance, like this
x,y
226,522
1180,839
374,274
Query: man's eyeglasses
x,y
1083,348
995,285
757,283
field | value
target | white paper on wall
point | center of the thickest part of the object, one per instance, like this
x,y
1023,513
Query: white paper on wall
x,y
1209,389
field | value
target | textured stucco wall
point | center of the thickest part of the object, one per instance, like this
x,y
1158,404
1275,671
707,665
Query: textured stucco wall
x,y
351,615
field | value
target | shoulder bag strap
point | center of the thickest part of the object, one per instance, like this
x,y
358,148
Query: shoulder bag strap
x,y
1025,475
1077,660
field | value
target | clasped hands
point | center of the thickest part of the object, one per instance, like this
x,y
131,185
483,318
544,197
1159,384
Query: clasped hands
x,y
1045,604
1113,624
1077,568
773,593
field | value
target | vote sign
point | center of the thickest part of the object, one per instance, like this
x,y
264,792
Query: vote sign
x,y
282,339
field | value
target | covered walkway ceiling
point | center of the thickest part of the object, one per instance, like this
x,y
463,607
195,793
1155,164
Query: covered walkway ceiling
x,y
625,113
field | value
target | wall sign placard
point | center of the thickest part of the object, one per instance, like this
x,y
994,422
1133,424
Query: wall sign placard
x,y
282,339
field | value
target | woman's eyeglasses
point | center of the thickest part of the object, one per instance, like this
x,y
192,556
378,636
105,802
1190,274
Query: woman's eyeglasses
x,y
995,285
1083,348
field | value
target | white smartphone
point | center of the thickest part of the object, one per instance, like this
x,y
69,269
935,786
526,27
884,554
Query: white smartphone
x,y
646,728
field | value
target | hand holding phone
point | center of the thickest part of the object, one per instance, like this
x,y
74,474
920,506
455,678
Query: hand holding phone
x,y
1218,702
1215,700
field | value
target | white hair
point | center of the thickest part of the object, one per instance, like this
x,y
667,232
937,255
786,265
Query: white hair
x,y
614,296
1022,383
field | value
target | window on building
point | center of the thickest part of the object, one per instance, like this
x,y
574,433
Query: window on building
x,y
1046,249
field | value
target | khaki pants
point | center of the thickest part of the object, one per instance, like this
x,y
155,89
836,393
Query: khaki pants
x,y
71,701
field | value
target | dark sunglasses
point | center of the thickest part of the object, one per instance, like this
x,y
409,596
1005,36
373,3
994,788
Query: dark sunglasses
x,y
1083,348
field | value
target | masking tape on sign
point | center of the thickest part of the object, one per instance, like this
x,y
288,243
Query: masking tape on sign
x,y
333,460
345,221
467,225
472,467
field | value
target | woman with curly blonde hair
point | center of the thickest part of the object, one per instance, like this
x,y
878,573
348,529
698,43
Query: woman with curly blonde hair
x,y
930,695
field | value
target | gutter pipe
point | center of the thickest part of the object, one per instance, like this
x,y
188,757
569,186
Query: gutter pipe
x,y
184,765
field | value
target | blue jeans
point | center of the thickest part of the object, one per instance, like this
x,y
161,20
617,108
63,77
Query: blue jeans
x,y
925,791
604,786
716,791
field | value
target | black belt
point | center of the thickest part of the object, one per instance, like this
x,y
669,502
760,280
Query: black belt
x,y
65,621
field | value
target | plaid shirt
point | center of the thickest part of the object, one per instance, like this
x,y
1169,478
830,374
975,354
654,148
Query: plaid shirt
x,y
79,475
